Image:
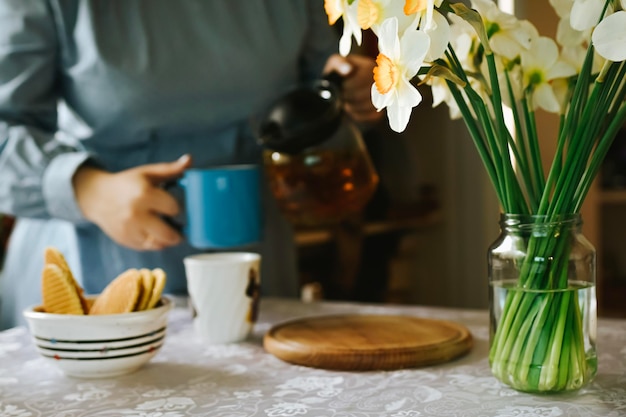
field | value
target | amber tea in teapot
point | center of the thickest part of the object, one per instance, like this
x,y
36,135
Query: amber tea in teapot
x,y
322,187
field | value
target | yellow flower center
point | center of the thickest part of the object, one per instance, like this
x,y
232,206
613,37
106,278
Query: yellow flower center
x,y
367,13
333,12
535,77
385,74
414,6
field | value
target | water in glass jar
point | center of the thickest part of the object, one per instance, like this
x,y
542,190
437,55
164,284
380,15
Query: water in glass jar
x,y
585,298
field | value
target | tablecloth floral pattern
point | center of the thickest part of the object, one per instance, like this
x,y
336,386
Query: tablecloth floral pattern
x,y
189,378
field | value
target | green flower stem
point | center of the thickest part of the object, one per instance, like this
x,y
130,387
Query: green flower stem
x,y
476,136
511,324
520,342
548,362
549,370
534,274
539,354
578,153
523,170
495,149
616,117
579,95
577,369
533,143
475,131
594,119
500,127
572,364
553,176
534,148
568,127
521,154
619,91
563,372
456,66
540,350
558,160
513,187
596,161
531,344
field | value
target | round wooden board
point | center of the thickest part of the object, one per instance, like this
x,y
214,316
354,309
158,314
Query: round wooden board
x,y
367,342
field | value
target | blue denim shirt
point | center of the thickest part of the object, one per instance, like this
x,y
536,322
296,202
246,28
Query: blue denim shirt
x,y
130,82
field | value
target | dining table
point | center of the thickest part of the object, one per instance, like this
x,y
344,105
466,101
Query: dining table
x,y
188,377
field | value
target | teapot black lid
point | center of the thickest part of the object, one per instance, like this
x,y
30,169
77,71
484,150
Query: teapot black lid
x,y
306,116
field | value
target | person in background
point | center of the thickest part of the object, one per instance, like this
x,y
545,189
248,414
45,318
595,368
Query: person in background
x,y
101,102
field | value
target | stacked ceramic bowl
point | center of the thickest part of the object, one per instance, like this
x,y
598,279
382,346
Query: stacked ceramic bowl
x,y
99,346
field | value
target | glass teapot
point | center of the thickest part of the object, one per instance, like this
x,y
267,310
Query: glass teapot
x,y
317,164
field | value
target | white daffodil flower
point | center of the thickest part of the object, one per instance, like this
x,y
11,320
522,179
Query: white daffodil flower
x,y
439,33
423,9
371,14
541,65
398,62
566,35
561,88
441,94
336,9
463,39
585,14
609,37
508,36
562,8
575,56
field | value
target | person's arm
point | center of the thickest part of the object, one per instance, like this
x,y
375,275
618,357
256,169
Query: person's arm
x,y
43,176
36,168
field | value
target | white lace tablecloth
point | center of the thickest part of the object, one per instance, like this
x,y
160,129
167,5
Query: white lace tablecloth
x,y
188,378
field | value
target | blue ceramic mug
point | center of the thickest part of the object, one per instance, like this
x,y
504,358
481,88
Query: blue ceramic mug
x,y
222,206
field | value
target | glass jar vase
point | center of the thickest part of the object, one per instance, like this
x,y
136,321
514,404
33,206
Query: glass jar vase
x,y
542,273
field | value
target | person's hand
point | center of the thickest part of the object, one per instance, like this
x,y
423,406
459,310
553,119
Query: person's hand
x,y
128,205
357,71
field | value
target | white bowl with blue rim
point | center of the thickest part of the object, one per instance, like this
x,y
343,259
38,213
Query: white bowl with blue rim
x,y
99,346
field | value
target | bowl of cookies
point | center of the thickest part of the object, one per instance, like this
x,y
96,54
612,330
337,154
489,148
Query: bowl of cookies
x,y
98,336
